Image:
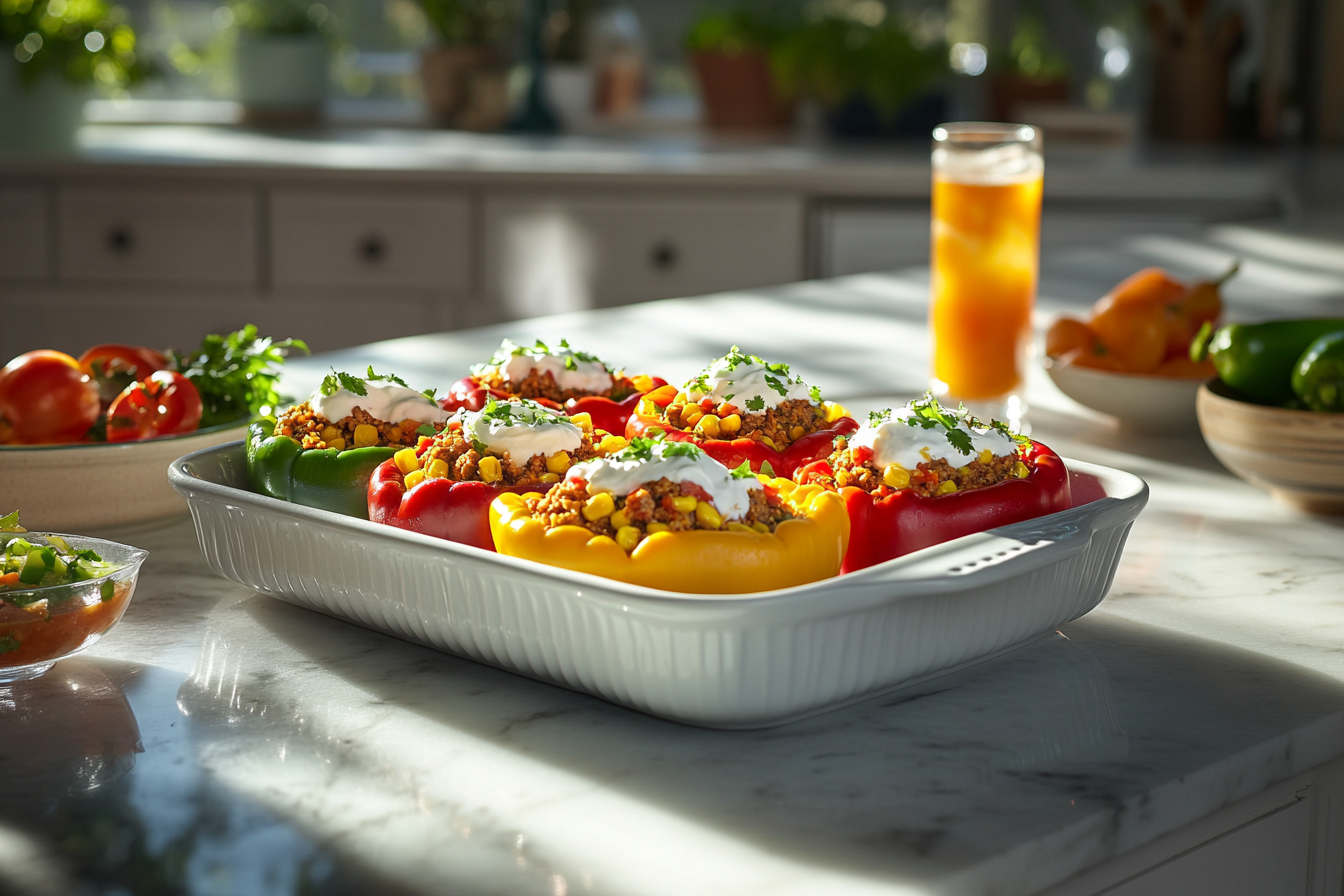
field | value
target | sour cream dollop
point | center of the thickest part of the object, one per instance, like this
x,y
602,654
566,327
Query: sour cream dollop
x,y
748,382
515,363
623,473
384,401
520,429
894,441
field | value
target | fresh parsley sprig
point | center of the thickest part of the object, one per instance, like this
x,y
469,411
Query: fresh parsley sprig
x,y
958,424
338,380
235,374
509,349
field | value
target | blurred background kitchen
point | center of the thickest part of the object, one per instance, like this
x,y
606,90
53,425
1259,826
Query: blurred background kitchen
x,y
352,170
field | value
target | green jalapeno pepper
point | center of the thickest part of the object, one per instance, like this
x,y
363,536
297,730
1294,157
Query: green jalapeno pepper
x,y
1258,359
316,477
1318,378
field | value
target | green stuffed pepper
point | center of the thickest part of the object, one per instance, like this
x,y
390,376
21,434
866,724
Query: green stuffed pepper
x,y
321,452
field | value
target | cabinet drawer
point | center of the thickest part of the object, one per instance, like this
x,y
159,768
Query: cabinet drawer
x,y
152,234
25,232
362,240
558,254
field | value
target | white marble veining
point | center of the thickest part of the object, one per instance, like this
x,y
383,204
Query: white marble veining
x,y
283,749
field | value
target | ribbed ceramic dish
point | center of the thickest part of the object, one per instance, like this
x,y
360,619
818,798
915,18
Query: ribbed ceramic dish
x,y
740,661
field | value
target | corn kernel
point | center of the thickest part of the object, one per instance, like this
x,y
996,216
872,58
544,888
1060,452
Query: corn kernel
x,y
598,506
549,478
338,443
708,426
739,527
406,460
896,476
394,435
965,471
329,433
730,424
366,436
642,383
651,528
414,478
620,519
760,527
583,421
684,503
612,444
986,455
842,478
947,487
558,462
691,415
437,469
490,469
707,516
1021,471
835,411
796,433
681,398
627,537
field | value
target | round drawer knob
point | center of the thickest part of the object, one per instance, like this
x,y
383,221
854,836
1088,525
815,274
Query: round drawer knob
x,y
120,240
373,248
664,256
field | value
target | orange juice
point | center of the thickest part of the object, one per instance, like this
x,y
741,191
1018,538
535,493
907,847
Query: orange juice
x,y
986,251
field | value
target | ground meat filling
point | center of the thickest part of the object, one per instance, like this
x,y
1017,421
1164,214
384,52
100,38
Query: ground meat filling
x,y
855,466
312,430
463,462
651,508
778,427
542,385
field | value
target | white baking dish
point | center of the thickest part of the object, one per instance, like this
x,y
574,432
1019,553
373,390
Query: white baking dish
x,y
739,661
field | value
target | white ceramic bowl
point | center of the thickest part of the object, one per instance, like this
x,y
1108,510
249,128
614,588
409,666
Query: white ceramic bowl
x,y
1297,456
1147,403
75,488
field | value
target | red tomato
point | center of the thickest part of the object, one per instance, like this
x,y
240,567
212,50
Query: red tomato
x,y
136,360
45,397
165,404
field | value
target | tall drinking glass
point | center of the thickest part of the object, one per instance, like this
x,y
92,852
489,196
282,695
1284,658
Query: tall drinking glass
x,y
986,253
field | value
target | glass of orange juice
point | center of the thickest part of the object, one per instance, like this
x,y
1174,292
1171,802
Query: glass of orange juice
x,y
986,251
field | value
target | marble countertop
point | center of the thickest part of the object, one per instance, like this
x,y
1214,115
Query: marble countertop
x,y
219,741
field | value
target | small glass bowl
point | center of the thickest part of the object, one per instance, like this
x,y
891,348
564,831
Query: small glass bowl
x,y
75,615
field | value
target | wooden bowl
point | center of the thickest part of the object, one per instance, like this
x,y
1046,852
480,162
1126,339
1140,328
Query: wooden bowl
x,y
1140,402
1297,456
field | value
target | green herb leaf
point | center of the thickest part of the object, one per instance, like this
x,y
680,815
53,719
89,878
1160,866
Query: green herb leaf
x,y
815,393
743,471
8,643
756,403
767,469
383,377
235,374
425,430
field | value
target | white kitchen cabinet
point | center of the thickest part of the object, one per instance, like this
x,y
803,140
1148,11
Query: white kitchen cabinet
x,y
147,232
564,252
25,231
361,238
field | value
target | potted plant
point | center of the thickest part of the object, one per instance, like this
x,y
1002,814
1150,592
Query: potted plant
x,y
280,61
465,81
869,75
54,53
1030,70
731,52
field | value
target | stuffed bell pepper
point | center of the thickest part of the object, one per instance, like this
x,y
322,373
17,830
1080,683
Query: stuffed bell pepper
x,y
560,377
742,409
665,514
444,486
924,474
322,452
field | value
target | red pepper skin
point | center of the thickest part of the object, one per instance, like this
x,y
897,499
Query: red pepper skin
x,y
456,511
607,414
904,521
732,452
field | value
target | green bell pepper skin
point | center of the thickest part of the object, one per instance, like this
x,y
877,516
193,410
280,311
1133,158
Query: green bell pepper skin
x,y
1318,378
315,477
1258,359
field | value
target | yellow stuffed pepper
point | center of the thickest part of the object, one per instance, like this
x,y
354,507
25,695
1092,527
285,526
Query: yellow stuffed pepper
x,y
666,515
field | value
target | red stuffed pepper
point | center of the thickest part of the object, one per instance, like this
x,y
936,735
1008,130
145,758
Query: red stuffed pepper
x,y
560,377
741,409
443,487
924,474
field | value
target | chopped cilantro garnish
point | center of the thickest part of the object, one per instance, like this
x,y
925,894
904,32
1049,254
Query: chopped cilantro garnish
x,y
815,393
958,425
425,430
337,380
509,349
385,377
743,471
756,403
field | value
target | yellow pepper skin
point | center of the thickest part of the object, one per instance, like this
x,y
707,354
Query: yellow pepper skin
x,y
698,561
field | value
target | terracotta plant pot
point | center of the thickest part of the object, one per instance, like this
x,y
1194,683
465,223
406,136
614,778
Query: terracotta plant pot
x,y
465,87
739,93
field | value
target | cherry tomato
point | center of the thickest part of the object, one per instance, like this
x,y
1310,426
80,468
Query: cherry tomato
x,y
165,404
1134,333
1067,334
111,358
45,397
